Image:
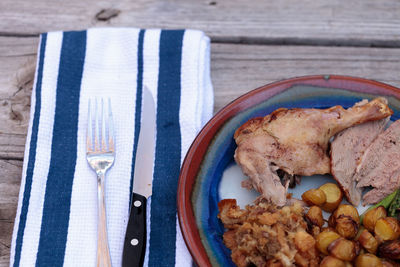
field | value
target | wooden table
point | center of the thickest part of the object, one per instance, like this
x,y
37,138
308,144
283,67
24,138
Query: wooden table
x,y
253,43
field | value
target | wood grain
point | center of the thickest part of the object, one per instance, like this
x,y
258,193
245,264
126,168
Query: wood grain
x,y
359,23
10,173
236,69
17,68
254,43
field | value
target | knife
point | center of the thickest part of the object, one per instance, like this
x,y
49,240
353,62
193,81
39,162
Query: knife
x,y
135,237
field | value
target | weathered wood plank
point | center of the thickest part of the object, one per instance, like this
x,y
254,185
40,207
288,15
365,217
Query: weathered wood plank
x,y
236,69
365,23
18,60
17,67
10,173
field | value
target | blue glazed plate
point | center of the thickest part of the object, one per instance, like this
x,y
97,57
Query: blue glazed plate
x,y
210,174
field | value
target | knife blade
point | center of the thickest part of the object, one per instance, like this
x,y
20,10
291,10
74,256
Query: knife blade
x,y
135,237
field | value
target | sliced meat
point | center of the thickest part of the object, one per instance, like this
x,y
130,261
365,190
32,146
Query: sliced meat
x,y
346,150
380,165
295,141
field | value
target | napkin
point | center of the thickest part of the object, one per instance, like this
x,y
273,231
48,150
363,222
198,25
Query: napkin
x,y
56,221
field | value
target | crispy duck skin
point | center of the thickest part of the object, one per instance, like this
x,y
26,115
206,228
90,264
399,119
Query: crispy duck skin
x,y
295,141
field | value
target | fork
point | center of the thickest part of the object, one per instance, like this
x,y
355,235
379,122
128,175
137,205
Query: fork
x,y
100,156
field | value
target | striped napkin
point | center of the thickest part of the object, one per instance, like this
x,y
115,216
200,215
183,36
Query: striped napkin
x,y
56,222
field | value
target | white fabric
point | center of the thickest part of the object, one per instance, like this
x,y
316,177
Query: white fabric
x,y
110,70
49,82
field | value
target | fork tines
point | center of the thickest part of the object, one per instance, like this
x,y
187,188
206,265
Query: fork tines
x,y
106,125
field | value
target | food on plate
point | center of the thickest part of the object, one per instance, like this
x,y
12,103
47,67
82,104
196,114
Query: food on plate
x,y
394,206
390,249
295,141
349,211
387,228
304,241
264,234
332,221
346,221
368,241
314,216
372,216
279,230
380,165
367,260
343,249
324,239
333,196
314,196
346,150
390,203
346,226
389,263
330,261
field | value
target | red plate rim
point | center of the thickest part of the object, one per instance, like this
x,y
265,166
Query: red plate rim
x,y
199,146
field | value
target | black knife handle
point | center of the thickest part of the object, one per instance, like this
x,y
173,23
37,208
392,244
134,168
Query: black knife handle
x,y
135,237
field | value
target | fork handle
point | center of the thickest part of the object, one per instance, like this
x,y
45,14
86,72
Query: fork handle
x,y
103,251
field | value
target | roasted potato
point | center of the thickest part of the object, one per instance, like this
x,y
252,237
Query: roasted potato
x,y
333,196
332,221
345,220
314,197
348,210
346,226
324,239
343,249
358,248
372,216
390,250
387,228
330,261
360,230
304,241
328,229
389,263
314,216
342,209
368,241
367,260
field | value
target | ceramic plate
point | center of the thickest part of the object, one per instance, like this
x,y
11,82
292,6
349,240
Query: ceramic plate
x,y
210,174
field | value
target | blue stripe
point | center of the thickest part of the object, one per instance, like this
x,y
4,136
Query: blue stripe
x,y
32,153
138,110
56,209
168,151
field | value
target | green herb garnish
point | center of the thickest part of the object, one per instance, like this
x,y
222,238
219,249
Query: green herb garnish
x,y
391,203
